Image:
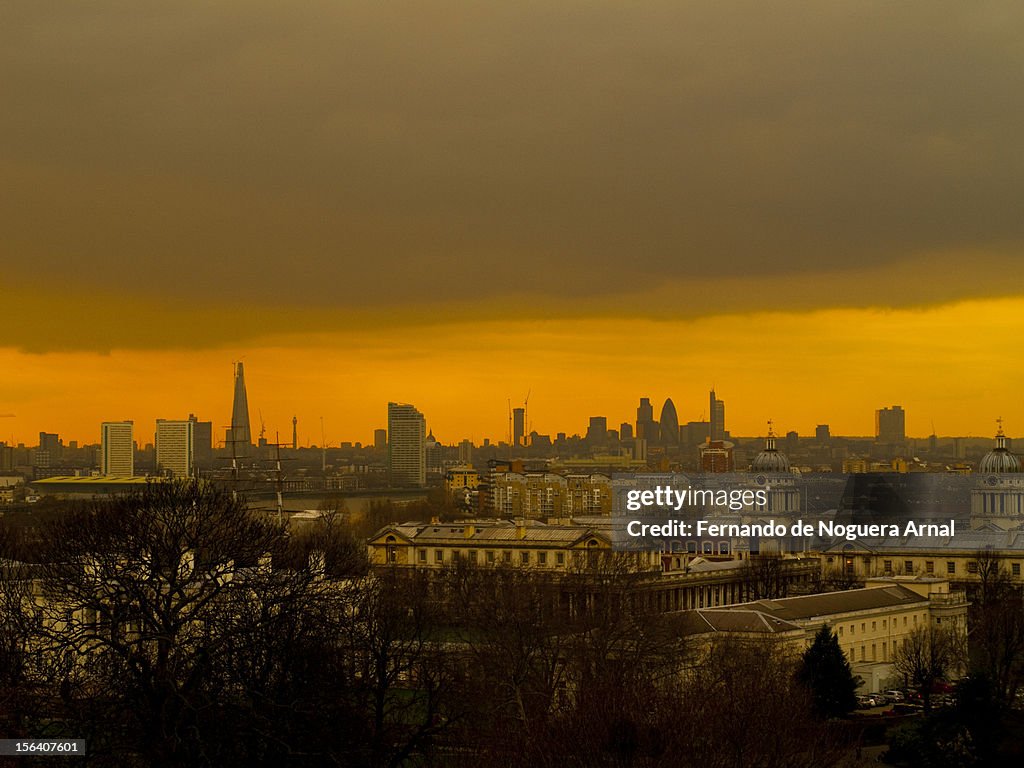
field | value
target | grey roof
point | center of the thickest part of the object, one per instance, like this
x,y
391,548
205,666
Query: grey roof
x,y
700,565
717,620
493,532
831,603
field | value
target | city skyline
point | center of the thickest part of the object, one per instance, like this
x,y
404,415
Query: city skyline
x,y
746,198
770,426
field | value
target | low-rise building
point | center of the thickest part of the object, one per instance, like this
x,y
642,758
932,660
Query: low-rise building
x,y
958,558
871,623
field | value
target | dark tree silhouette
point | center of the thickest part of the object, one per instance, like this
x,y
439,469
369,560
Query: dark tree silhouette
x,y
826,673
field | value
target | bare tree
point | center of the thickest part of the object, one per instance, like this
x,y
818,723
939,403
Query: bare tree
x,y
141,599
17,613
764,577
402,674
996,622
927,655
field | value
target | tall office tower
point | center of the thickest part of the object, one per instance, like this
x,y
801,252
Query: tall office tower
x,y
822,434
669,423
646,426
597,431
175,447
202,432
380,439
407,451
117,449
717,417
518,426
466,453
625,432
890,425
240,435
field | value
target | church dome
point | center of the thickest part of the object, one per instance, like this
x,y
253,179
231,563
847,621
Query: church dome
x,y
770,460
999,460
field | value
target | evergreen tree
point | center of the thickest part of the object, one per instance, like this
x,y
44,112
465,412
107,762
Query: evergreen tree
x,y
826,674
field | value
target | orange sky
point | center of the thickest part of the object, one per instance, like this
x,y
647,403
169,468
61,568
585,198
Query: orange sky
x,y
952,363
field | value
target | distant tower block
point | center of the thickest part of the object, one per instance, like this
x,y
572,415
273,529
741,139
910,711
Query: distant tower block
x,y
117,448
518,426
240,435
890,425
295,432
717,417
176,447
669,423
407,446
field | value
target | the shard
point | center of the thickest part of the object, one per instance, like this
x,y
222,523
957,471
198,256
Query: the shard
x,y
240,437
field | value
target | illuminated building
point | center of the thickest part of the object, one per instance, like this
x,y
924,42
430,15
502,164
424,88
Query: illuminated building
x,y
407,450
117,449
175,447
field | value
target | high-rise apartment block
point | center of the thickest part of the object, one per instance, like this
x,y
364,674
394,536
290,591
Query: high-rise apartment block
x,y
117,449
890,425
407,452
175,447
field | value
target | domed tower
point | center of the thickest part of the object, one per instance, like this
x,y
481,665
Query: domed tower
x,y
997,500
999,460
770,460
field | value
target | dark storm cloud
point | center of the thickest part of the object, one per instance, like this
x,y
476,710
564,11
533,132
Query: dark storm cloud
x,y
380,153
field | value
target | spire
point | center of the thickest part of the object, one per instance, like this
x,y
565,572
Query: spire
x,y
1000,435
241,436
769,444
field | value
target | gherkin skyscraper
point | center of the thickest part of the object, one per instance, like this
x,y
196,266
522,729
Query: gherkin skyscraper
x,y
239,435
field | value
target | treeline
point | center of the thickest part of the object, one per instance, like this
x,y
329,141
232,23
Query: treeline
x,y
175,627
